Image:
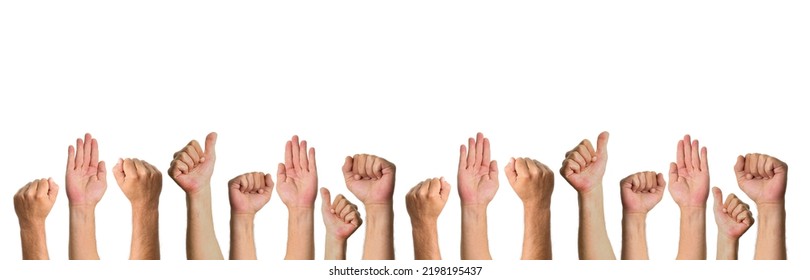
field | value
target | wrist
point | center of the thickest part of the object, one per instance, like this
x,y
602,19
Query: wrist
x,y
378,208
537,204
767,207
144,207
84,208
32,225
634,216
333,239
594,191
424,224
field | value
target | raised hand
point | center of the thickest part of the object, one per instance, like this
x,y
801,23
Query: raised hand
x,y
689,174
249,192
370,178
642,191
86,176
689,187
733,217
532,181
762,177
477,175
192,167
340,217
584,167
425,202
32,203
140,181
298,175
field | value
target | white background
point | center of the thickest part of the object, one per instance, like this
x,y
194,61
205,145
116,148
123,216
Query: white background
x,y
408,81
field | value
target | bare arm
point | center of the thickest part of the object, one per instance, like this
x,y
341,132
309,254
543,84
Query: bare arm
x,y
477,185
248,193
689,187
764,179
425,202
371,179
733,219
534,184
341,219
32,203
86,182
640,193
298,187
142,183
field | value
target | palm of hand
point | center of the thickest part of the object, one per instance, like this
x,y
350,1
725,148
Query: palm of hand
x,y
691,189
83,186
729,226
475,186
372,191
339,228
588,178
299,189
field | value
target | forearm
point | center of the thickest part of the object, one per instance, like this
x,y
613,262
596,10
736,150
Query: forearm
x,y
82,240
243,245
692,242
594,243
201,240
771,232
727,247
536,233
426,240
634,236
145,243
32,236
379,243
474,239
300,236
334,248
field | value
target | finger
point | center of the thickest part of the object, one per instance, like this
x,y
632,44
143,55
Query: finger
x,y
471,153
749,218
570,167
339,204
302,156
680,158
347,168
761,166
370,166
627,182
704,159
71,160
732,203
376,167
673,173
88,150
739,167
769,167
687,152
344,211
695,155
479,148
268,184
102,171
118,172
179,167
751,165
522,167
742,216
194,152
360,165
423,189
462,158
31,189
326,201
493,169
80,153
210,145
718,198
445,189
531,167
661,183
42,188
234,183
296,153
601,143
511,173
642,182
652,181
247,188
739,209
281,173
185,158
312,165
93,153
354,219
53,189
586,150
581,159
288,154
486,152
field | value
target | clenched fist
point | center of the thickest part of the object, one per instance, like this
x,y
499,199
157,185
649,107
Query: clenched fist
x,y
340,217
734,217
642,191
140,181
689,175
34,201
192,167
249,192
532,181
762,177
584,167
298,175
86,177
477,175
426,200
370,178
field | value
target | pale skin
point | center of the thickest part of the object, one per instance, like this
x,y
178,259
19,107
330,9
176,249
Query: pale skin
x,y
534,183
341,219
689,187
425,202
142,183
583,168
32,203
477,185
297,188
733,219
371,179
640,193
764,179
191,169
247,193
85,184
